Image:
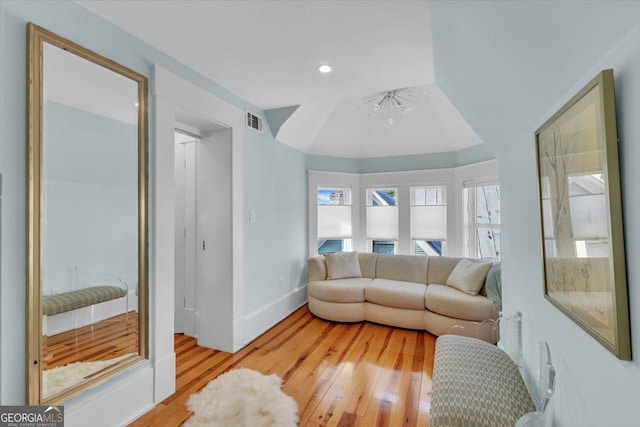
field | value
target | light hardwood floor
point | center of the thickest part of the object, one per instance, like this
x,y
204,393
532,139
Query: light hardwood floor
x,y
340,374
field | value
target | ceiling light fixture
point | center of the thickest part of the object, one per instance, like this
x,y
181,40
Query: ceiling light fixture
x,y
324,68
390,104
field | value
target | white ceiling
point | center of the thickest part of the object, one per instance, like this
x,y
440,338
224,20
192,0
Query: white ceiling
x,y
267,52
347,130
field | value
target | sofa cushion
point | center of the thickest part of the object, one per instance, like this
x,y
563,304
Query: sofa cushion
x,y
404,268
450,302
368,264
339,290
394,293
469,276
316,268
440,267
342,265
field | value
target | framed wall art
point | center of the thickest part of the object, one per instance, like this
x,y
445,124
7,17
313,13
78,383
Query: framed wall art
x,y
581,211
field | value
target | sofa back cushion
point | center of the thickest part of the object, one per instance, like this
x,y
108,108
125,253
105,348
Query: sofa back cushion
x,y
368,264
440,268
405,268
342,265
316,268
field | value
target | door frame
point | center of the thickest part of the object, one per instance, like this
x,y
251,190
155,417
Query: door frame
x,y
171,94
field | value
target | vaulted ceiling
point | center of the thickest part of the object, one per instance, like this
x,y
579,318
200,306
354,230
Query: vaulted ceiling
x,y
482,65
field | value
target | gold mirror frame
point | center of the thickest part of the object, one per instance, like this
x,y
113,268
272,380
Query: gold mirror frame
x,y
37,36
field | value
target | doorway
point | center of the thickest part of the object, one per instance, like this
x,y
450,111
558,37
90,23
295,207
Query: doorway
x,y
203,224
178,102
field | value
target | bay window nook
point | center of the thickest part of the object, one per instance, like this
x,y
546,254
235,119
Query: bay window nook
x,y
440,212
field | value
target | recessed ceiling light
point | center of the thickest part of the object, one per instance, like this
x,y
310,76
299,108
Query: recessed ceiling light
x,y
324,68
136,104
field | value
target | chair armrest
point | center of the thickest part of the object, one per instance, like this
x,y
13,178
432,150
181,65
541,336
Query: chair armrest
x,y
317,268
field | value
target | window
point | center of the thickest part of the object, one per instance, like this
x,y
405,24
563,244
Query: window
x,y
428,220
382,220
587,205
413,212
483,221
334,220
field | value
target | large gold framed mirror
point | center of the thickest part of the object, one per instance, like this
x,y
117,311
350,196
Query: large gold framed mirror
x,y
87,219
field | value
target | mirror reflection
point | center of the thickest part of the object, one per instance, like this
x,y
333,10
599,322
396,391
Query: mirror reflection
x,y
89,214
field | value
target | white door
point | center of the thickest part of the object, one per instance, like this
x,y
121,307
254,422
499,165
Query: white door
x,y
185,271
214,246
178,318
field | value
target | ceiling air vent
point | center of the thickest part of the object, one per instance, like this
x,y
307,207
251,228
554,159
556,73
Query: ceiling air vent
x,y
254,122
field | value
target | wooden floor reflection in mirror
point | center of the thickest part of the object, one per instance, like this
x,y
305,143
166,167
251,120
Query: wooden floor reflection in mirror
x,y
71,357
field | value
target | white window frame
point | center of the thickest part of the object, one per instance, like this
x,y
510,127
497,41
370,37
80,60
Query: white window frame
x,y
369,203
348,202
319,179
414,241
452,179
471,224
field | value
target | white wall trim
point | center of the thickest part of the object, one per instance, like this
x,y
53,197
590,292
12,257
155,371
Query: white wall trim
x,y
171,93
120,402
165,384
260,320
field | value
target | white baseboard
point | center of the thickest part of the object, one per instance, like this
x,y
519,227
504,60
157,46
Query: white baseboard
x,y
258,322
118,402
165,377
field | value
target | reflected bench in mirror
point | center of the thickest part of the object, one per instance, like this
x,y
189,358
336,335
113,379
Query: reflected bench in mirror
x,y
73,300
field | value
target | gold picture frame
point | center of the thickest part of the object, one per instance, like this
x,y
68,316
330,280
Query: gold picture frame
x,y
581,214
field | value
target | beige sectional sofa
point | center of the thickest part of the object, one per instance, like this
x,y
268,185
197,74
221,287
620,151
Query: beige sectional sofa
x,y
407,291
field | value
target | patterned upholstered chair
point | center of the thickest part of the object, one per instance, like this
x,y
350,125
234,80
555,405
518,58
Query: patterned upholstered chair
x,y
476,384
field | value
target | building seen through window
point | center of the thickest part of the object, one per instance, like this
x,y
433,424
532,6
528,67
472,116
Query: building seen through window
x,y
483,221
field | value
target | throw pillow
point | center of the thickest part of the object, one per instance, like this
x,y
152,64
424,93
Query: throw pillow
x,y
468,276
494,285
342,265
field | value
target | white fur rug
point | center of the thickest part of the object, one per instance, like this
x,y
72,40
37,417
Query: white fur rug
x,y
243,398
62,377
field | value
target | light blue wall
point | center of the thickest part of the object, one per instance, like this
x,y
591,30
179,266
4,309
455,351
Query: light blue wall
x,y
503,63
594,387
282,168
528,59
278,116
452,159
91,198
332,164
275,245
